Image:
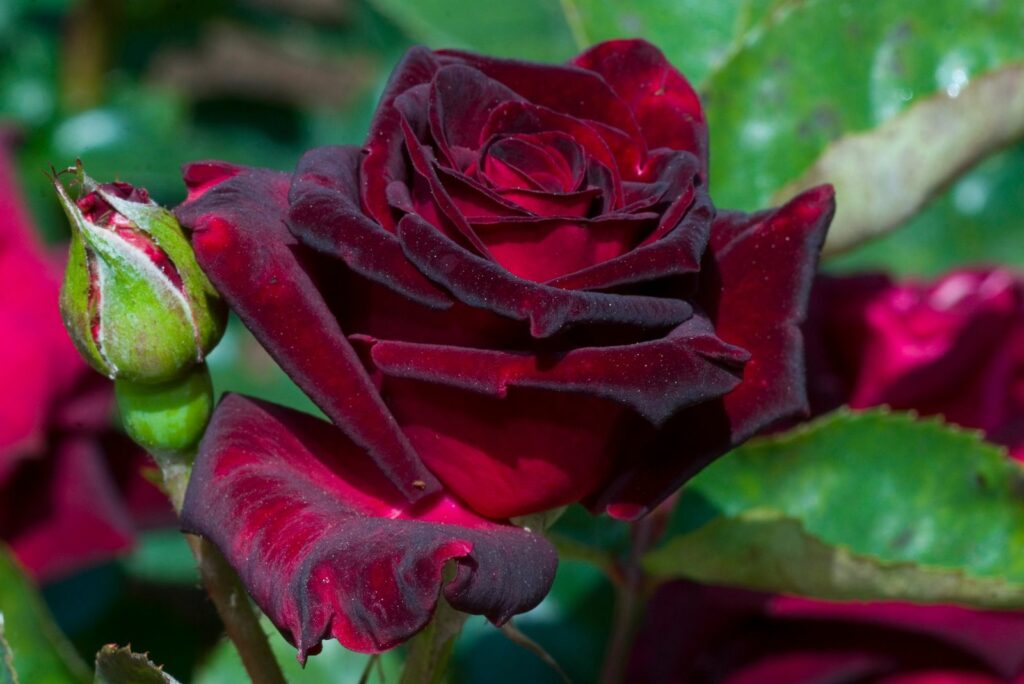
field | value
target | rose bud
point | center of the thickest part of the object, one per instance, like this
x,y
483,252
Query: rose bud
x,y
134,300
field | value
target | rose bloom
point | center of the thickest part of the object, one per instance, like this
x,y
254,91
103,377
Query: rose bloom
x,y
516,295
714,635
953,347
70,490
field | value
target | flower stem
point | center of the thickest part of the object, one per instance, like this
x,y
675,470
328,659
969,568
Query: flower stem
x,y
222,584
631,592
430,650
240,621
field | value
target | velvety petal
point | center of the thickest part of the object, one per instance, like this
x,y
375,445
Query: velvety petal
x,y
665,105
327,548
531,450
566,89
765,265
243,245
63,512
550,161
678,252
543,249
37,360
695,366
201,176
517,196
324,213
384,162
755,285
513,118
461,100
953,347
424,165
481,283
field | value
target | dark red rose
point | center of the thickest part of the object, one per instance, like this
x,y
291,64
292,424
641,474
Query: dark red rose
x,y
516,295
70,492
715,635
953,347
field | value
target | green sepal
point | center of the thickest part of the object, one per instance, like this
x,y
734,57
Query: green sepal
x,y
75,307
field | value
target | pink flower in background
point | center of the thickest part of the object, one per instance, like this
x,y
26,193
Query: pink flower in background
x,y
953,347
68,484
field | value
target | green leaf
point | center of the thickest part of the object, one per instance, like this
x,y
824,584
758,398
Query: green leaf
x,y
39,652
870,505
821,71
526,29
695,35
117,665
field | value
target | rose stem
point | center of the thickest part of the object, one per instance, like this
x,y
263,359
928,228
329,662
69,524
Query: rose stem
x,y
222,584
629,594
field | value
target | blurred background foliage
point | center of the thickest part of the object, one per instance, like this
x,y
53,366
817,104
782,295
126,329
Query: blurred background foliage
x,y
136,89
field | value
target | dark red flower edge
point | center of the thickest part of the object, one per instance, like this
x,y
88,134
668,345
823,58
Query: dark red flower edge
x,y
328,547
755,285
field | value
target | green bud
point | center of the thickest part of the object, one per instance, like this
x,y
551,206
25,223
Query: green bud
x,y
134,300
166,418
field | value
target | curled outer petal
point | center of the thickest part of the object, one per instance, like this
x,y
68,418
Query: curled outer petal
x,y
242,243
665,104
755,284
326,545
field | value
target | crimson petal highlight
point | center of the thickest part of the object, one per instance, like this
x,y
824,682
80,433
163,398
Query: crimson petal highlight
x,y
327,548
483,284
696,366
756,286
242,243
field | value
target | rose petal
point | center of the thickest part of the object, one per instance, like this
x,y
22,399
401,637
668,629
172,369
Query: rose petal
x,y
531,451
542,249
474,201
424,165
756,284
486,285
384,162
953,347
201,176
666,106
63,512
695,366
580,94
766,263
243,245
677,253
461,100
37,360
514,118
325,215
327,549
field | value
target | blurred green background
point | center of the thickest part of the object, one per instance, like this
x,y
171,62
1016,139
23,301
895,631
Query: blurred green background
x,y
136,88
